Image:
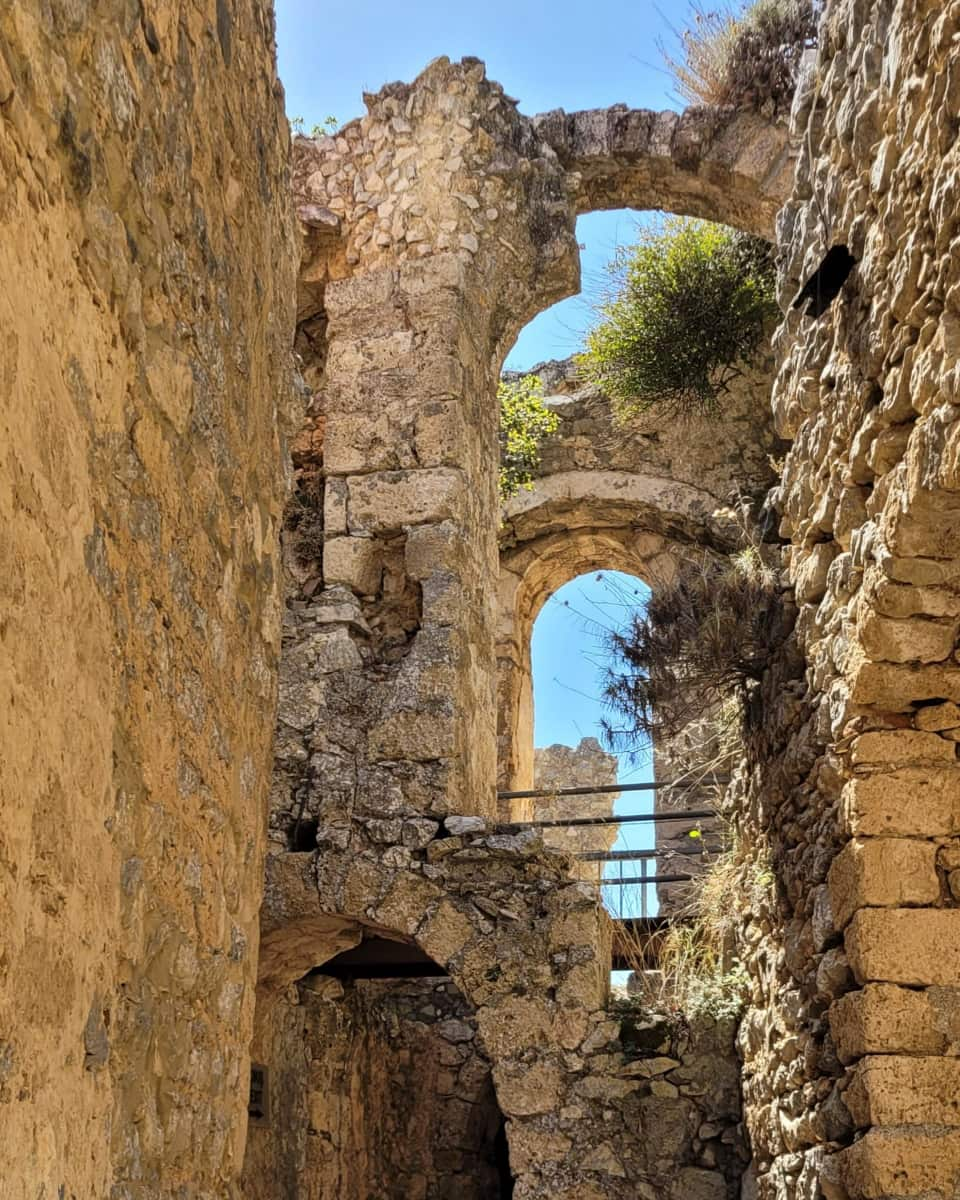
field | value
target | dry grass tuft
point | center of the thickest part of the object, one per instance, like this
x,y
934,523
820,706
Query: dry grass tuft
x,y
704,639
747,59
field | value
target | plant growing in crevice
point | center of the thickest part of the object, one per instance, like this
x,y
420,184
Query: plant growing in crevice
x,y
688,309
525,421
747,58
706,636
698,973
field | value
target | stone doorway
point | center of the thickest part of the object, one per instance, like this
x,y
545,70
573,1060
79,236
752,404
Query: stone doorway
x,y
379,1089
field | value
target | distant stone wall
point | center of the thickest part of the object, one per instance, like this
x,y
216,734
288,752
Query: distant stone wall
x,y
146,319
850,1066
585,765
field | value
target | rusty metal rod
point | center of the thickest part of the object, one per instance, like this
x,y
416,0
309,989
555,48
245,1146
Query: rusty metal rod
x,y
632,855
607,789
679,814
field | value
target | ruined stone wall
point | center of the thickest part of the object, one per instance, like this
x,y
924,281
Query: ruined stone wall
x,y
585,765
374,1089
145,380
850,1067
434,229
625,496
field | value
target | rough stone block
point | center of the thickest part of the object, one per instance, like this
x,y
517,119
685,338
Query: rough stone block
x,y
882,1018
895,1090
355,562
909,802
895,1162
918,947
524,1091
883,872
938,716
388,500
901,746
897,688
902,641
811,576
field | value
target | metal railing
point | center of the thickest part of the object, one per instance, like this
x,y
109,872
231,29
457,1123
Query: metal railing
x,y
641,881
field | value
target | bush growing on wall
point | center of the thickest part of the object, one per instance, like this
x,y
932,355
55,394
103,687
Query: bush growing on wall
x,y
747,59
703,638
689,309
524,422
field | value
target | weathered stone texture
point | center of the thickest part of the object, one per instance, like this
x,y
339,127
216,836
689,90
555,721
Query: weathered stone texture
x,y
854,784
145,385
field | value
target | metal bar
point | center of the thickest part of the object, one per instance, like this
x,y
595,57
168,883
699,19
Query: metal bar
x,y
643,887
695,814
637,855
613,881
606,789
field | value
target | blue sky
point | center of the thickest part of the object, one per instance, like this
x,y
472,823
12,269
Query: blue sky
x,y
546,55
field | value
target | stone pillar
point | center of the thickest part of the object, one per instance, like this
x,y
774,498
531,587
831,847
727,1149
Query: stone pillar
x,y
457,229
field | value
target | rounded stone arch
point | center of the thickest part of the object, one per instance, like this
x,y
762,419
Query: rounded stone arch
x,y
527,946
722,165
572,524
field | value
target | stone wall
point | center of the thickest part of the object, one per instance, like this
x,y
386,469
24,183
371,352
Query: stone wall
x,y
145,323
618,496
585,765
374,1089
849,1059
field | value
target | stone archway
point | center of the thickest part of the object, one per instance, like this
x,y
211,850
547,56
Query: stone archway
x,y
435,228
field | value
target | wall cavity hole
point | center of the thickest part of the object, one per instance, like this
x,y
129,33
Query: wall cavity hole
x,y
824,285
258,1104
303,835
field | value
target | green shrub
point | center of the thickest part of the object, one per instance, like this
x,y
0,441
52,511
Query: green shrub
x,y
744,59
689,309
524,422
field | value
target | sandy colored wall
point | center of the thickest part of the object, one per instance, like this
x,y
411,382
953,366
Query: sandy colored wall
x,y
146,312
850,1063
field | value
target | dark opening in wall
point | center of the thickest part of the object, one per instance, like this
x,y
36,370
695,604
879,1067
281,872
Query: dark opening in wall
x,y
303,835
824,285
501,1153
257,1105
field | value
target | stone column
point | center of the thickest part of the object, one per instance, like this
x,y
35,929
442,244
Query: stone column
x,y
456,230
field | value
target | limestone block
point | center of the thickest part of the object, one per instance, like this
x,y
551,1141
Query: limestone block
x,y
889,640
895,1090
354,562
895,1162
884,1019
407,902
514,1025
811,577
417,736
896,688
909,802
446,932
901,746
524,1091
532,1148
917,947
389,500
937,717
883,872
